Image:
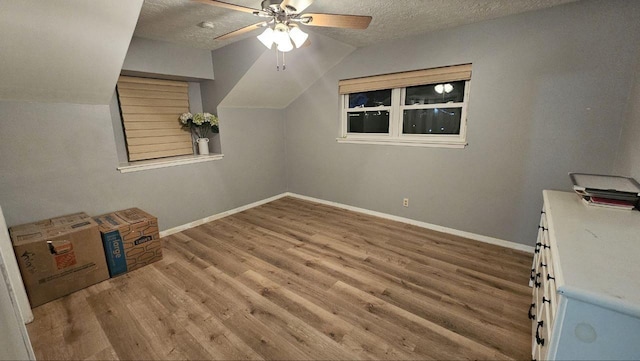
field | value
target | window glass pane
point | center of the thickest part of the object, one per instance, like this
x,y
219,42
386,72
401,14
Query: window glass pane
x,y
368,122
435,93
370,99
432,121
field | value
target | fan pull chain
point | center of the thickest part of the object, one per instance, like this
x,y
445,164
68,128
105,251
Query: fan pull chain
x,y
284,66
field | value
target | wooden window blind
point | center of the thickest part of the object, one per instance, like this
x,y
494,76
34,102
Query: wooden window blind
x,y
150,109
405,79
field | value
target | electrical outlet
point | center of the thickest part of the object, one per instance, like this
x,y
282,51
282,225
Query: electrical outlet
x,y
405,202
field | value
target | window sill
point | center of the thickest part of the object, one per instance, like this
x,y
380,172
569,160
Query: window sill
x,y
405,142
166,162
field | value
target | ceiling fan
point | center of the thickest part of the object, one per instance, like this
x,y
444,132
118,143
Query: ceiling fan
x,y
282,19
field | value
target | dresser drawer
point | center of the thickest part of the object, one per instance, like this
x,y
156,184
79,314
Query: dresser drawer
x,y
539,246
549,285
541,334
543,304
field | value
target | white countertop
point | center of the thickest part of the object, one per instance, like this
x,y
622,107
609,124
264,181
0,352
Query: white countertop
x,y
596,252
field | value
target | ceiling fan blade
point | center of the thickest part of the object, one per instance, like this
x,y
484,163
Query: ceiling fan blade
x,y
337,20
295,6
244,30
222,4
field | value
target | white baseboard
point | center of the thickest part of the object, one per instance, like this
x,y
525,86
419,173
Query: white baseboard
x,y
434,227
183,227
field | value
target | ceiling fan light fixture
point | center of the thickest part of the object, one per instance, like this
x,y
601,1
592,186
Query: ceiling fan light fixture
x,y
298,36
282,18
285,46
280,33
267,37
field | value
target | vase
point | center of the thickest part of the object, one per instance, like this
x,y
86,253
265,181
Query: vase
x,y
203,146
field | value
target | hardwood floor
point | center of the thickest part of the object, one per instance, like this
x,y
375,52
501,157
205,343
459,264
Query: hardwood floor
x,y
299,280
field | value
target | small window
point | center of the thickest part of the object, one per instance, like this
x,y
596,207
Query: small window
x,y
150,109
424,107
369,112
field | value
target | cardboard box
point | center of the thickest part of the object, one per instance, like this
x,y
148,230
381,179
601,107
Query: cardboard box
x,y
130,239
59,256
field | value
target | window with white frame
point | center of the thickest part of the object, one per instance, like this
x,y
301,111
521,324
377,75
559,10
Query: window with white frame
x,y
421,108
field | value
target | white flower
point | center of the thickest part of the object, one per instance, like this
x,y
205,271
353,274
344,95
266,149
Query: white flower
x,y
213,119
199,119
199,124
184,118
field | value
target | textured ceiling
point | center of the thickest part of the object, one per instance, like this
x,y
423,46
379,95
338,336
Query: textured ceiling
x,y
176,20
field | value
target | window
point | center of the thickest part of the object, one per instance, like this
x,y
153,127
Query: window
x,y
424,108
150,109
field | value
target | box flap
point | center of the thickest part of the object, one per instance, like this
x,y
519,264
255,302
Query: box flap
x,y
23,235
44,224
134,215
70,219
34,226
108,222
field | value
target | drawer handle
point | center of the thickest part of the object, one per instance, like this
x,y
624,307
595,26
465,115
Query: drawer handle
x,y
543,264
533,274
531,315
539,341
536,283
550,277
546,300
537,250
544,246
542,228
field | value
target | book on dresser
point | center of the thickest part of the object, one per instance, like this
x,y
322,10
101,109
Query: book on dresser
x,y
606,190
608,203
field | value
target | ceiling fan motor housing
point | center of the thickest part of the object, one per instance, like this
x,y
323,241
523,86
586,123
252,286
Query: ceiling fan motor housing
x,y
273,5
282,17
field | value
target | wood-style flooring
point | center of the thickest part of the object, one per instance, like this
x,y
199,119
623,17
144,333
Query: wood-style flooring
x,y
294,280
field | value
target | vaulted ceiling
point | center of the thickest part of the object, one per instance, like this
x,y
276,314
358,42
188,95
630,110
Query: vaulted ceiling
x,y
176,20
73,50
64,51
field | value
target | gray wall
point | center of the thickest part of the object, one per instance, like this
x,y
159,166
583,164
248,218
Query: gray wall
x,y
61,158
64,51
628,160
546,94
146,56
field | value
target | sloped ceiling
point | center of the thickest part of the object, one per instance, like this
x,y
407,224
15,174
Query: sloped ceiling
x,y
262,86
176,21
67,51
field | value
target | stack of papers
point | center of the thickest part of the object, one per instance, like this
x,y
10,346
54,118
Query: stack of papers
x,y
606,190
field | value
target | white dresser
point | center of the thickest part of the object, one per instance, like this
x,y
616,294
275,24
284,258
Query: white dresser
x,y
586,282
